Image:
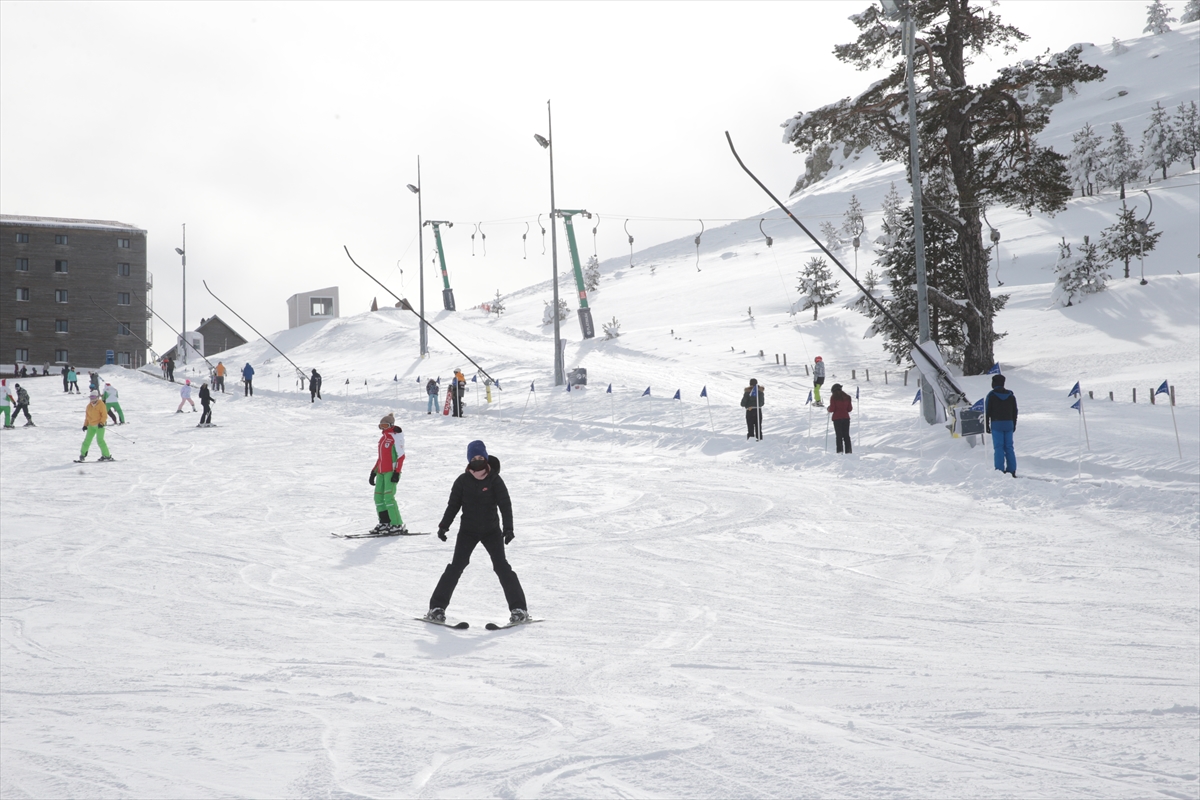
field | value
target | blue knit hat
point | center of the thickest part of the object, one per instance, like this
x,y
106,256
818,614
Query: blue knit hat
x,y
476,448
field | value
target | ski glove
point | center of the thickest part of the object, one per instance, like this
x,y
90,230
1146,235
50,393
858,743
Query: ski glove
x,y
442,534
508,537
84,428
371,480
396,476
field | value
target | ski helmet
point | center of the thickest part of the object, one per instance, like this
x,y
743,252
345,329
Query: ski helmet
x,y
818,358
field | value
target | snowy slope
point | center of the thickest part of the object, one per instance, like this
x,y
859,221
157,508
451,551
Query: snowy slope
x,y
724,617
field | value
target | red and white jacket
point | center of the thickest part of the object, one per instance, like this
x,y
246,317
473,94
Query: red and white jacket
x,y
391,451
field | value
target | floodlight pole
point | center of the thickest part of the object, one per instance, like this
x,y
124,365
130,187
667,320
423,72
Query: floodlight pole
x,y
424,337
183,322
548,143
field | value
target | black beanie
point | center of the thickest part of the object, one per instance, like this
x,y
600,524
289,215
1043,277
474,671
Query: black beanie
x,y
997,381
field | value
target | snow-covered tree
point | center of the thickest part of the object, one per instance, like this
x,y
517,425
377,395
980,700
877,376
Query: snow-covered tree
x,y
612,329
1191,12
853,222
1119,165
591,274
1086,273
817,287
548,314
1158,18
497,305
893,205
1187,129
861,302
1085,159
1160,142
1118,47
833,241
1128,237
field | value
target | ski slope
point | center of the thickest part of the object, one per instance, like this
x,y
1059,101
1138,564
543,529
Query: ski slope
x,y
724,617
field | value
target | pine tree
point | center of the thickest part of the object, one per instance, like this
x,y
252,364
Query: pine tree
x,y
1085,159
833,242
1078,277
1160,142
591,274
893,206
1119,165
1187,128
497,305
612,329
1158,17
1128,238
548,315
817,287
1118,47
853,223
1191,13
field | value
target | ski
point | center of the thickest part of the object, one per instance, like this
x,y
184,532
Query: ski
x,y
491,626
97,461
370,535
450,623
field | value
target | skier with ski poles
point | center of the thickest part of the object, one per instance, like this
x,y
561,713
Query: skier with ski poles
x,y
206,399
752,401
840,406
109,396
1000,420
93,422
818,380
386,474
479,492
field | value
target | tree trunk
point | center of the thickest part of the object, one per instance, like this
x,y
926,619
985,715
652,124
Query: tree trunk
x,y
978,355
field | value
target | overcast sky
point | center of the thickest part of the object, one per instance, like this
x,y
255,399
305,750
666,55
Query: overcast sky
x,y
280,131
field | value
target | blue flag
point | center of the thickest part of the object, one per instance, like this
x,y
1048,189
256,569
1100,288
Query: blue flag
x,y
704,391
497,383
609,390
754,391
855,392
1164,389
568,386
646,392
1076,405
995,370
809,400
979,405
677,397
1074,390
916,399
531,386
474,379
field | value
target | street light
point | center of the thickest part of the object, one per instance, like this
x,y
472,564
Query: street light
x,y
547,144
183,327
424,337
902,10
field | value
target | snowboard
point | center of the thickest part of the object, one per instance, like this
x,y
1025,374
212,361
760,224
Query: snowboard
x,y
446,407
449,623
491,626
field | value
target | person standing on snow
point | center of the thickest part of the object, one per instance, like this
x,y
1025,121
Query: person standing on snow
x,y
185,396
66,387
109,396
93,422
753,401
171,369
314,386
93,381
431,389
220,381
1000,420
460,387
840,406
818,380
6,401
478,493
73,380
386,474
248,379
206,399
22,405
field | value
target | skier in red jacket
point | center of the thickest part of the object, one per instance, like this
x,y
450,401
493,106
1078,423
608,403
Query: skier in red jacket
x,y
840,406
386,474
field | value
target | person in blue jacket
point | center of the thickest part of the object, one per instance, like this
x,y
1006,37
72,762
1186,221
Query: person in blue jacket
x,y
248,379
1000,420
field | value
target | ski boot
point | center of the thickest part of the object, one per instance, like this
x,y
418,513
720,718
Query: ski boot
x,y
436,615
518,615
107,458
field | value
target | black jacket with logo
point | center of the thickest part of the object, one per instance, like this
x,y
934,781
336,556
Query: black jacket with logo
x,y
479,500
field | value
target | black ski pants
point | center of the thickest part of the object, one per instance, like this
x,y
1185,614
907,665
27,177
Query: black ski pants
x,y
841,431
19,407
249,387
493,542
754,423
206,414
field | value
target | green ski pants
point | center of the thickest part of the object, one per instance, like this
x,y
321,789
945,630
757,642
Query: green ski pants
x,y
7,415
385,498
96,431
117,408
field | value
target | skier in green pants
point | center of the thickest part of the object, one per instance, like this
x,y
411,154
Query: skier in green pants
x,y
114,406
386,475
93,422
5,403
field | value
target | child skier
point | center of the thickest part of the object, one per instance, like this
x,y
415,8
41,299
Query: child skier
x,y
205,399
386,474
109,396
840,406
185,395
818,380
479,492
93,423
6,400
1000,420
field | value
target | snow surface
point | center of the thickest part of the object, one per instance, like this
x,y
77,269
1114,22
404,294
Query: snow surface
x,y
724,618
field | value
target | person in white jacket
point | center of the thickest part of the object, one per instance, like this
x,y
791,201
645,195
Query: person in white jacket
x,y
109,396
185,393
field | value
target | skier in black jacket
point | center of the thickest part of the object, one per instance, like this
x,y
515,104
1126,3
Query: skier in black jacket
x,y
1000,419
478,492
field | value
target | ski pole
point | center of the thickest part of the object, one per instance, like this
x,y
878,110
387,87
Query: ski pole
x,y
126,438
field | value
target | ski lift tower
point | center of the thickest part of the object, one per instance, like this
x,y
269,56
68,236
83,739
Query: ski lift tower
x,y
447,292
585,313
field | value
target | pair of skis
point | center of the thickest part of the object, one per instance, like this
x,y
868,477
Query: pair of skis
x,y
373,535
458,625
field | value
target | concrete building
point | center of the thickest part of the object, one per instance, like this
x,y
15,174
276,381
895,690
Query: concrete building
x,y
72,291
315,306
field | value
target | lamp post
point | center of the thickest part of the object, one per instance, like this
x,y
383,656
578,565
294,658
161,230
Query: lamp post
x,y
548,143
421,256
902,10
183,326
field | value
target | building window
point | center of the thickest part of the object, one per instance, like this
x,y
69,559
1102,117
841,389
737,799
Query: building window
x,y
123,359
22,265
61,326
60,265
123,243
123,270
22,326
22,238
60,295
61,356
22,355
22,294
122,298
122,328
60,238
321,306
